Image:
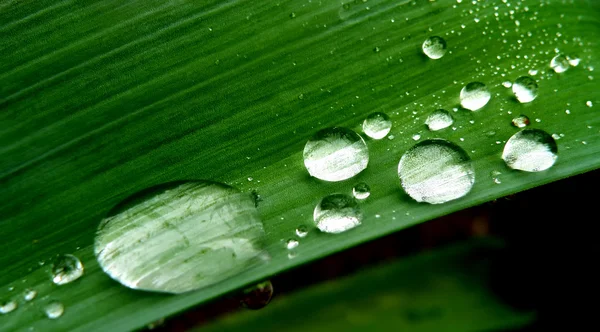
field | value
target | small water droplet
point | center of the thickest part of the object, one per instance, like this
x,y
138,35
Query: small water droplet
x,y
559,63
54,310
361,191
573,61
438,120
532,72
436,171
377,125
497,181
301,231
29,294
66,268
474,96
416,137
291,244
8,306
335,154
301,96
556,136
292,15
521,121
589,103
530,150
337,213
291,254
391,137
434,47
525,89
507,84
258,296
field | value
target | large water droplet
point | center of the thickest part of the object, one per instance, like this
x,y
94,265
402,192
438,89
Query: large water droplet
x,y
438,120
337,213
54,310
525,89
66,268
530,150
521,121
361,190
29,294
8,306
434,47
436,171
559,63
474,96
377,125
335,154
180,237
258,296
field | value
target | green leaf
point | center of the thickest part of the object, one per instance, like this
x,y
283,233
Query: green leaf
x,y
103,99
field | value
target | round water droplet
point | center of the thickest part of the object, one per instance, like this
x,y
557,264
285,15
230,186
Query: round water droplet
x,y
573,61
291,244
530,150
438,120
434,47
361,190
525,89
521,121
436,171
377,125
66,268
335,154
258,296
301,231
474,96
507,84
180,236
559,63
337,213
29,294
54,310
8,306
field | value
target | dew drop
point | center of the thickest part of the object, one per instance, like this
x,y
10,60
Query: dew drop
x,y
525,89
530,150
29,295
180,236
434,47
291,244
258,296
436,171
54,310
335,154
377,125
8,307
589,103
559,63
66,268
416,137
301,231
521,121
573,61
532,72
361,191
438,120
337,213
474,96
506,84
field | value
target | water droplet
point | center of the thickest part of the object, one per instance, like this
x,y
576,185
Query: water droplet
x,y
258,296
8,306
292,15
589,103
337,213
180,236
559,63
573,61
29,294
525,89
54,310
506,84
438,120
474,96
530,150
66,268
301,231
377,125
436,171
335,154
521,121
361,190
532,72
291,244
291,254
434,47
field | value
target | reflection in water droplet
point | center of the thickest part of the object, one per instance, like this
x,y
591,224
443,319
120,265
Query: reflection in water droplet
x,y
7,307
66,269
335,154
337,213
291,244
54,310
377,125
301,231
530,150
559,63
521,121
525,89
361,190
180,236
436,171
434,47
29,294
474,96
438,120
259,296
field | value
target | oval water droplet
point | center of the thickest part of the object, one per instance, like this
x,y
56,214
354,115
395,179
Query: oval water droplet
x,y
530,150
29,295
335,154
436,171
438,120
54,310
434,47
559,63
521,121
291,244
377,125
301,231
337,213
258,296
180,236
66,269
361,191
525,89
8,307
474,96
